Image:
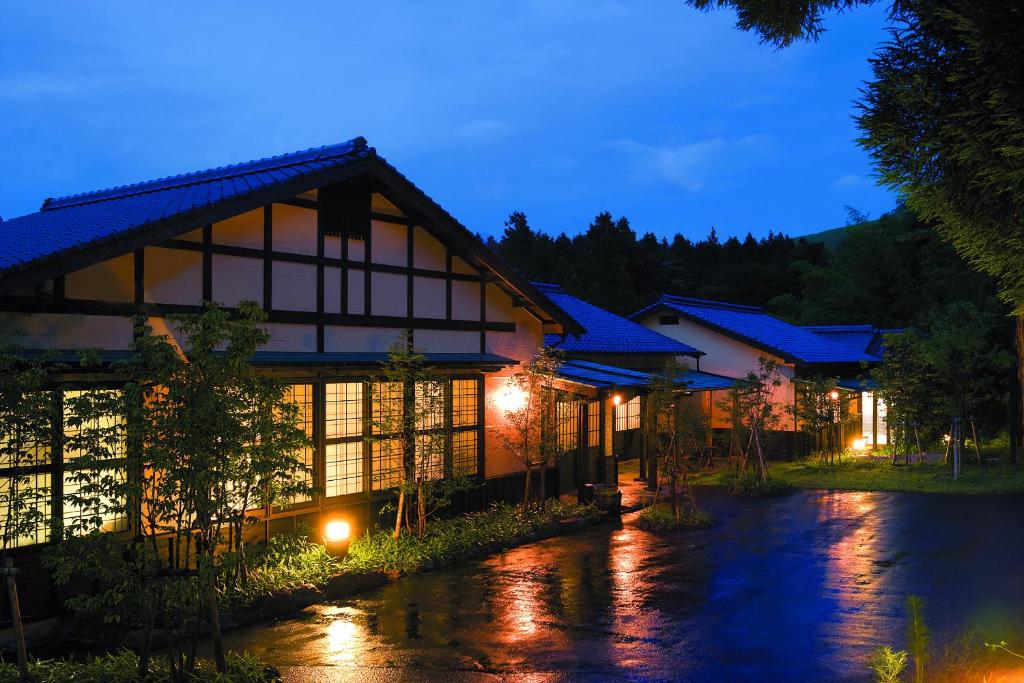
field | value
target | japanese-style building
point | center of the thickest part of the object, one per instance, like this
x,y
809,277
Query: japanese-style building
x,y
342,252
735,337
608,369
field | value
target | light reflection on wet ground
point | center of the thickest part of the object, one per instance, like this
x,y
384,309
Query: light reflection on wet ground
x,y
799,588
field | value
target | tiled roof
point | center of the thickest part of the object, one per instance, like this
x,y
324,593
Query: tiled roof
x,y
79,220
605,331
858,337
755,327
603,376
71,230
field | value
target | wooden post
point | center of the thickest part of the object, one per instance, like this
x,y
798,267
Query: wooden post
x,y
19,629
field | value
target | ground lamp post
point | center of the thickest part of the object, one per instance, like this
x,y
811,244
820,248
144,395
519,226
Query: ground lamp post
x,y
336,533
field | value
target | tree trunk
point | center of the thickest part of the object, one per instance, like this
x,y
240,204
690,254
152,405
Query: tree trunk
x,y
398,515
526,493
19,629
1018,392
421,511
215,632
543,476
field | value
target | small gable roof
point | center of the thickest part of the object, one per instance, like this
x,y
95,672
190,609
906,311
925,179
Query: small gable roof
x,y
73,232
753,326
601,376
605,331
865,338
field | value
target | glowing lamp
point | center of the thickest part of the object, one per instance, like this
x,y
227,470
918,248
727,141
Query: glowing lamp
x,y
336,534
946,438
858,444
617,399
834,395
512,400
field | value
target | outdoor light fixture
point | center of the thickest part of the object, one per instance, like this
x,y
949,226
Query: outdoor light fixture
x,y
858,444
336,533
512,399
834,395
617,399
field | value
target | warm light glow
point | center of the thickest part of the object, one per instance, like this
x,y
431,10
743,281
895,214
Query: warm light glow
x,y
834,395
858,444
946,438
336,530
617,399
512,399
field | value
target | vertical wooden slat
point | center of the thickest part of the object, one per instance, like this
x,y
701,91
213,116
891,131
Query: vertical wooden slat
x,y
268,258
448,284
140,275
208,263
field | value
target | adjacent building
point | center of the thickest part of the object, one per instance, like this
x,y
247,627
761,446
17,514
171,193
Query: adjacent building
x,y
735,337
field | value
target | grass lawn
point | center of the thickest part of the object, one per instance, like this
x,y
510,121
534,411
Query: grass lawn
x,y
865,475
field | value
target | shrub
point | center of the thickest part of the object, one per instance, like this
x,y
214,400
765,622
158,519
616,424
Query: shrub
x,y
750,485
122,667
888,664
286,562
450,540
660,518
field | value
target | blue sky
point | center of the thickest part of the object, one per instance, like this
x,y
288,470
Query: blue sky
x,y
651,110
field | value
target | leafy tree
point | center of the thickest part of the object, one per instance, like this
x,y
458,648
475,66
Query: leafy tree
x,y
27,417
758,414
676,428
409,423
904,382
942,119
819,411
207,440
531,415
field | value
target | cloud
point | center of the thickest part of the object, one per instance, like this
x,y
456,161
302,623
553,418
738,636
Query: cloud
x,y
850,181
692,166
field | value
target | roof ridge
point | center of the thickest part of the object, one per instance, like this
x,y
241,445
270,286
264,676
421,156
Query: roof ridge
x,y
355,145
840,328
711,304
549,285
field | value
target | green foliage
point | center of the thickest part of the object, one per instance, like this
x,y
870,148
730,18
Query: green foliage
x,y
661,518
530,430
122,667
750,484
918,636
450,540
888,664
26,426
286,562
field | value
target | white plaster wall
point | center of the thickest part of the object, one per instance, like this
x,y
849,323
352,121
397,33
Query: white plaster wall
x,y
243,230
354,339
499,305
294,230
236,278
465,300
729,357
332,290
288,337
356,289
447,341
173,276
460,266
294,286
66,331
428,253
390,245
111,280
389,293
429,297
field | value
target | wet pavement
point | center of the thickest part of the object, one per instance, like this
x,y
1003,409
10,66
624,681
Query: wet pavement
x,y
799,588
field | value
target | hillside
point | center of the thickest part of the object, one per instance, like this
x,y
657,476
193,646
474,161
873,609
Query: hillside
x,y
833,237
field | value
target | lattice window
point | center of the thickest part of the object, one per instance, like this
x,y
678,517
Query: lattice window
x,y
464,453
386,464
302,396
627,415
344,468
344,410
465,402
567,416
594,424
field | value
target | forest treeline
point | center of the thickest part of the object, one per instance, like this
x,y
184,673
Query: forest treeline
x,y
890,272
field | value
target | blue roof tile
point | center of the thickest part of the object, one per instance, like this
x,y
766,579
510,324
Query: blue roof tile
x,y
752,325
603,376
605,331
78,220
